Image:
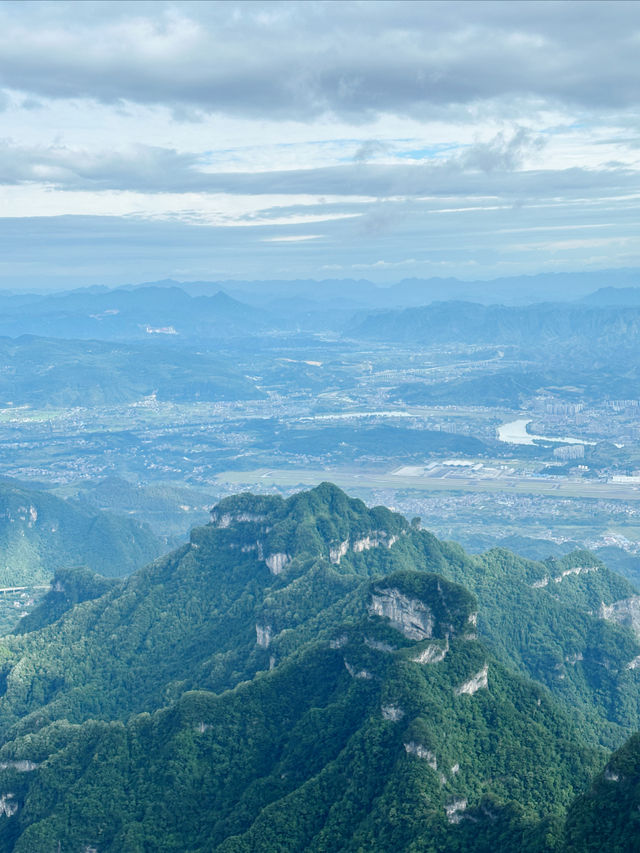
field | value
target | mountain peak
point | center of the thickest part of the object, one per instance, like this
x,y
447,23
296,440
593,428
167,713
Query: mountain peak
x,y
323,522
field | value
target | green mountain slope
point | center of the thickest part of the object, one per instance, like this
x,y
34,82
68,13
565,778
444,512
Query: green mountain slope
x,y
40,533
268,575
376,738
70,586
606,819
310,674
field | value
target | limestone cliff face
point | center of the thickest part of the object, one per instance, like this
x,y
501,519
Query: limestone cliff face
x,y
337,552
23,765
226,519
264,634
574,570
409,615
413,748
374,539
479,681
8,804
392,712
625,612
277,562
454,808
433,653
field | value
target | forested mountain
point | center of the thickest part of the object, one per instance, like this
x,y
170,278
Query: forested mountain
x,y
128,314
40,533
607,816
532,325
310,674
42,372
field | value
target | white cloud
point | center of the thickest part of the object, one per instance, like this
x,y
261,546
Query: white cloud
x,y
419,134
292,238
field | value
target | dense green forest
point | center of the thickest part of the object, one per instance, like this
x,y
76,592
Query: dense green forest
x,y
40,533
311,674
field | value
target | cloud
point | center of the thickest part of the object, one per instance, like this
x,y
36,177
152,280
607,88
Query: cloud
x,y
379,265
143,168
503,152
482,170
292,238
299,60
369,149
440,135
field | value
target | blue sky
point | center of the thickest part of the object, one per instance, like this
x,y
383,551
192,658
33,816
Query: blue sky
x,y
145,140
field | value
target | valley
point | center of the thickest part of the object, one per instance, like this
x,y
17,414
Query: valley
x,y
483,690
420,427
202,616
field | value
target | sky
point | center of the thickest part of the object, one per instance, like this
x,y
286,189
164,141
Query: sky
x,y
268,140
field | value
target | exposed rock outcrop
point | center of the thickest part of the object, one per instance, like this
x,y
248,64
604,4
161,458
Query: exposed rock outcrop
x,y
264,634
375,539
277,562
378,645
354,673
625,612
8,804
409,615
454,808
433,653
479,681
413,748
21,765
574,570
226,519
392,713
338,551
540,584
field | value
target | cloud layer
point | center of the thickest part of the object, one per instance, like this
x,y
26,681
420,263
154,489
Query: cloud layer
x,y
474,138
306,59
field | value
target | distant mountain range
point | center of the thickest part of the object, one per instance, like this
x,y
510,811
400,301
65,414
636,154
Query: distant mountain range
x,y
533,325
360,293
309,674
179,313
142,313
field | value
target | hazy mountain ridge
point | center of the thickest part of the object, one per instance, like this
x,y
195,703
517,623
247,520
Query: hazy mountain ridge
x,y
202,310
130,314
473,323
511,290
